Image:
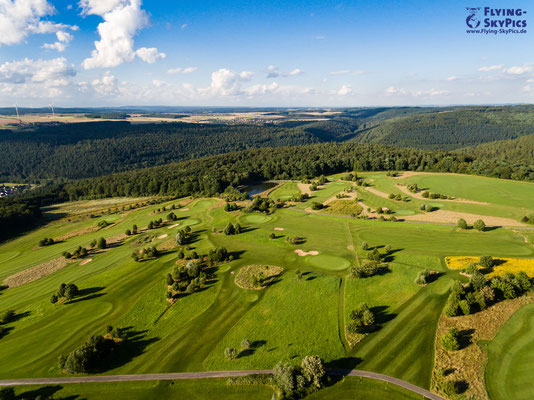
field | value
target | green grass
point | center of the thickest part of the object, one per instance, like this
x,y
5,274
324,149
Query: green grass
x,y
287,320
510,363
285,192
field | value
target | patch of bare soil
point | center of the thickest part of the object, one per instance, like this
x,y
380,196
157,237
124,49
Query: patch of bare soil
x,y
303,253
304,188
451,217
162,236
79,232
184,209
470,362
419,196
86,261
37,272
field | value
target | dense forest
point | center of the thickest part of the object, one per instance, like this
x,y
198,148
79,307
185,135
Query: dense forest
x,y
520,150
451,129
83,150
215,174
72,151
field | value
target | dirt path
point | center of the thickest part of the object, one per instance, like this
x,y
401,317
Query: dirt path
x,y
350,196
377,192
206,375
419,196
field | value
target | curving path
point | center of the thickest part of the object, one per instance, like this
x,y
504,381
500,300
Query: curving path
x,y
204,375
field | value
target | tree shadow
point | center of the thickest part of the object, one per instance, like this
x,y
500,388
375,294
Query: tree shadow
x,y
434,277
465,337
237,254
87,294
247,229
381,316
133,346
461,386
5,331
45,392
342,366
252,349
18,316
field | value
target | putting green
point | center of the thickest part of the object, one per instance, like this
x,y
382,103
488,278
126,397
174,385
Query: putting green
x,y
256,218
325,261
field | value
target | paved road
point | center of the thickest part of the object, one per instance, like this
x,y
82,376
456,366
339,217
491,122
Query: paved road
x,y
204,375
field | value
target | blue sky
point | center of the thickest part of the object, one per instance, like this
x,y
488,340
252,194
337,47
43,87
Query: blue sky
x,y
258,53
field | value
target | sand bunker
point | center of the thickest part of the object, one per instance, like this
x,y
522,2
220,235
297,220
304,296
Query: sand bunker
x,y
302,253
37,272
455,200
278,229
86,261
162,236
184,209
304,188
173,226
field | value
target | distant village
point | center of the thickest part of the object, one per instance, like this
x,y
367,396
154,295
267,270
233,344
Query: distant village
x,y
11,190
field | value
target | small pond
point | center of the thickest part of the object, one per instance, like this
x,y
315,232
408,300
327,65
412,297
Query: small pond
x,y
257,188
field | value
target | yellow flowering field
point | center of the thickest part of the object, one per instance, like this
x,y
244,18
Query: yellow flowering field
x,y
504,264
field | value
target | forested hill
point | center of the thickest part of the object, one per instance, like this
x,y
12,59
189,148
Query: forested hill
x,y
83,150
451,129
520,150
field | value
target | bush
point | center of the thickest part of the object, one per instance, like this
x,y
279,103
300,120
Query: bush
x,y
230,353
479,225
486,262
462,224
450,341
101,244
316,206
89,357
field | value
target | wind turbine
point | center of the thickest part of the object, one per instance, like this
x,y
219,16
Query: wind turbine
x,y
18,117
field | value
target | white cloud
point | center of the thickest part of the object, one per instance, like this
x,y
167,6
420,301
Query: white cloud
x,y
226,83
274,72
345,90
54,72
122,20
517,70
187,70
183,26
491,68
452,78
320,37
35,79
106,85
262,89
63,38
394,91
150,55
348,72
19,18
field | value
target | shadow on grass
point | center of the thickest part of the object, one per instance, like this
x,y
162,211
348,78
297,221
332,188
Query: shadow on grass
x,y
45,392
18,317
4,331
342,366
133,346
87,294
381,316
253,347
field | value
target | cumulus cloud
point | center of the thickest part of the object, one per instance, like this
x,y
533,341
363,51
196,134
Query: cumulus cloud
x,y
491,68
262,89
122,20
30,78
226,83
394,91
62,39
345,90
19,18
106,85
150,55
274,72
187,70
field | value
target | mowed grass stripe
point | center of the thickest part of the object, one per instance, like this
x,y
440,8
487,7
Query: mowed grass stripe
x,y
407,339
510,362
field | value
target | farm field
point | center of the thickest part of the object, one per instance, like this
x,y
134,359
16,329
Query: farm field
x,y
303,311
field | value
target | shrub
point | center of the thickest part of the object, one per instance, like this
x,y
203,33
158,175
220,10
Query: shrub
x,y
101,244
230,353
316,206
462,224
450,341
479,225
486,262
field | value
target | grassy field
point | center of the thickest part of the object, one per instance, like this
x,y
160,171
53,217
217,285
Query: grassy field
x,y
510,363
288,320
285,192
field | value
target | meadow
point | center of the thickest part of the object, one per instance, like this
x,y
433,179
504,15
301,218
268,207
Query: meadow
x,y
304,311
